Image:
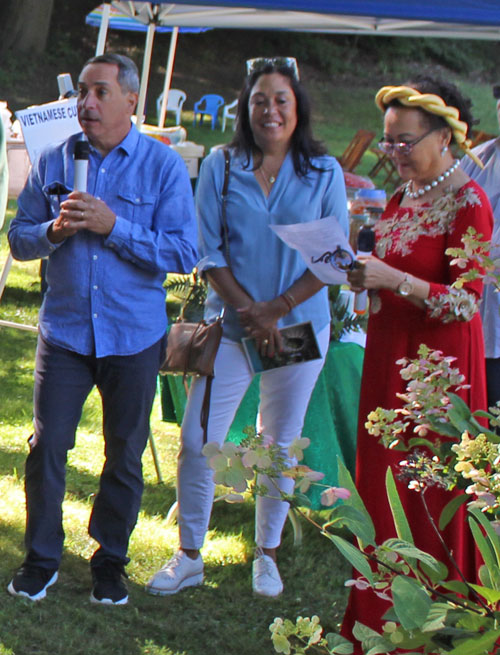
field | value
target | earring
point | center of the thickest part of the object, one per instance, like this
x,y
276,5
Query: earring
x,y
444,150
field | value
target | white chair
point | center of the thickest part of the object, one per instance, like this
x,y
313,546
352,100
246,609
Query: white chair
x,y
227,113
175,100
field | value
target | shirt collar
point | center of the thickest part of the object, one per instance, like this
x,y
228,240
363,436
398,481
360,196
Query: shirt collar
x,y
128,144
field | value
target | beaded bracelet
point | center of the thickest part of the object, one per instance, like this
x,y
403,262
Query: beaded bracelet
x,y
289,299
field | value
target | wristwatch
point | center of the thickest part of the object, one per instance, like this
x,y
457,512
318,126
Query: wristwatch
x,y
406,286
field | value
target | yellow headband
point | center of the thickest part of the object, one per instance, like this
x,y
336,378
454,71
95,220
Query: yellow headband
x,y
434,105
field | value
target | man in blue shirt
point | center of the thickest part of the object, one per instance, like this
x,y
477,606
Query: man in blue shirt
x,y
102,320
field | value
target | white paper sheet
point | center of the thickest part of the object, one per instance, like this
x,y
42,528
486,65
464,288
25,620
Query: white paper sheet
x,y
315,241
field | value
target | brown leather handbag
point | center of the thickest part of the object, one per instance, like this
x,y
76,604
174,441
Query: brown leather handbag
x,y
192,347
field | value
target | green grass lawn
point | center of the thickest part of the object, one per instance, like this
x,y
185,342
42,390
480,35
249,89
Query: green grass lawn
x,y
220,618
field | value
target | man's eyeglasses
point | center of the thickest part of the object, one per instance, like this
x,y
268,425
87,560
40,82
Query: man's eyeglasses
x,y
404,147
260,63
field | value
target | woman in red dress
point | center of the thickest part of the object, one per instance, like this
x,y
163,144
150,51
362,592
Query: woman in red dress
x,y
409,278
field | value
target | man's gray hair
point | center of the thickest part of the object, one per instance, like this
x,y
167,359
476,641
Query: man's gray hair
x,y
128,75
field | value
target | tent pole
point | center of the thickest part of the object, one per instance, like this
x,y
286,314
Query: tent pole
x,y
146,63
103,29
168,75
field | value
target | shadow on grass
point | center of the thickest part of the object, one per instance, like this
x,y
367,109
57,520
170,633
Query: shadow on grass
x,y
220,617
22,296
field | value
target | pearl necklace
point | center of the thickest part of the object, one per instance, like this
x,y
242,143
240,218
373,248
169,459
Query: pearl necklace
x,y
414,195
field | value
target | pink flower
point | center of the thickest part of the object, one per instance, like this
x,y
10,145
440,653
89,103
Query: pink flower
x,y
359,583
332,494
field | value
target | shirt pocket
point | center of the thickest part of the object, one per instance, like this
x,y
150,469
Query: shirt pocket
x,y
137,207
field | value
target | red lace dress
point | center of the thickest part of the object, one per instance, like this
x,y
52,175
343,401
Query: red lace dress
x,y
414,241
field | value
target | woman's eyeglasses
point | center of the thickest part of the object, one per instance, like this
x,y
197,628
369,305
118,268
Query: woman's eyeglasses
x,y
260,63
404,147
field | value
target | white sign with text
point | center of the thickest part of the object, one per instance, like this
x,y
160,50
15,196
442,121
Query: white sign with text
x,y
50,123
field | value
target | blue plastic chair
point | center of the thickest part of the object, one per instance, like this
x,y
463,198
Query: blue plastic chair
x,y
208,104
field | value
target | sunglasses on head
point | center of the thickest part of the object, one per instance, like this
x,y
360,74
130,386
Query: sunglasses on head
x,y
260,63
496,91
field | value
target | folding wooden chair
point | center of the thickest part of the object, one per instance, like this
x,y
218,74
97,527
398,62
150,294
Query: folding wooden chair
x,y
352,155
384,163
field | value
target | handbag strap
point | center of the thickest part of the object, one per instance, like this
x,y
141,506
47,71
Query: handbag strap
x,y
205,408
225,187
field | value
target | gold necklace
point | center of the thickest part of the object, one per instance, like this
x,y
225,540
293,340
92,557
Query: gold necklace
x,y
267,182
266,175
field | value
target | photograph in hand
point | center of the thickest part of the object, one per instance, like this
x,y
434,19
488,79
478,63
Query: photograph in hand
x,y
299,345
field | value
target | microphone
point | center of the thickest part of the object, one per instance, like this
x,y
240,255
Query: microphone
x,y
366,245
81,165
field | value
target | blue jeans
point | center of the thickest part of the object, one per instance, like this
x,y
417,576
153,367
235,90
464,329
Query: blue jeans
x,y
63,380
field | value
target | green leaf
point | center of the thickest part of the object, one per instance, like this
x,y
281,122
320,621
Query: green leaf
x,y
486,551
351,518
492,596
446,429
484,576
302,499
436,617
409,551
373,642
353,555
492,535
456,586
420,441
362,632
345,480
411,602
450,510
474,622
338,645
458,421
477,646
398,513
490,435
460,406
482,414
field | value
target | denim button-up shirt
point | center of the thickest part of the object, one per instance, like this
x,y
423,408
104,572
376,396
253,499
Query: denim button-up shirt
x,y
261,262
105,294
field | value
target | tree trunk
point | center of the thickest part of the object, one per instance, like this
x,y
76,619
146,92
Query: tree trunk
x,y
24,25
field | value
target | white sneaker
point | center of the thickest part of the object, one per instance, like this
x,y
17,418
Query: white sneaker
x,y
266,579
179,572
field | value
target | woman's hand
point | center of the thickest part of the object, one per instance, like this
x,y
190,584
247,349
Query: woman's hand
x,y
372,273
259,320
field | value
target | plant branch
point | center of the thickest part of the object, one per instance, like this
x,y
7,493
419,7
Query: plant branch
x,y
452,559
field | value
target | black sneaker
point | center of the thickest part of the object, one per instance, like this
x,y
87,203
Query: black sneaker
x,y
109,587
32,581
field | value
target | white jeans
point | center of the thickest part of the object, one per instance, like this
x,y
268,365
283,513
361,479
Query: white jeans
x,y
284,397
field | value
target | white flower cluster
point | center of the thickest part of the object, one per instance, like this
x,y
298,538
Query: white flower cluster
x,y
456,305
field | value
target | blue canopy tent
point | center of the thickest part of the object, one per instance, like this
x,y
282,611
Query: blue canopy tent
x,y
139,17
471,19
446,18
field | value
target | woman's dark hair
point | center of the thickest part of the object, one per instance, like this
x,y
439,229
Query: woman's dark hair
x,y
450,93
303,145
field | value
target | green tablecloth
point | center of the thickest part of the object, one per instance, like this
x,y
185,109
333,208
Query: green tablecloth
x,y
331,420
